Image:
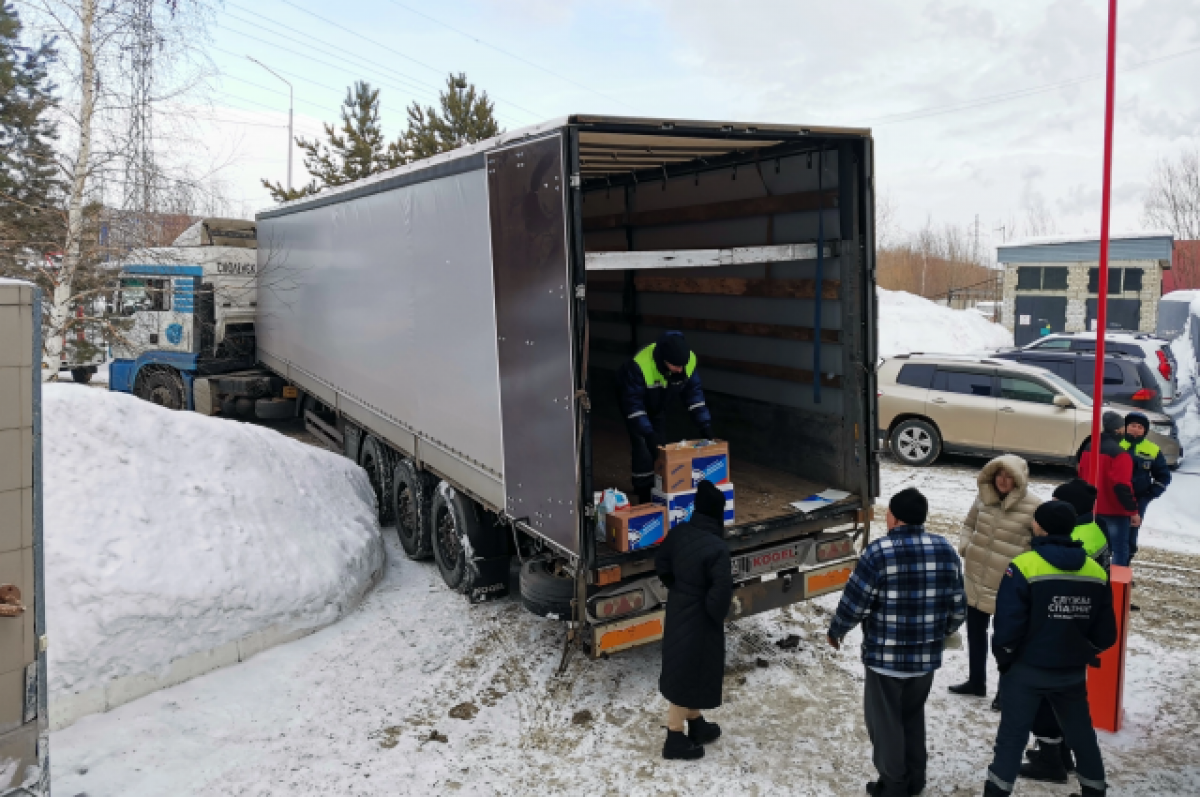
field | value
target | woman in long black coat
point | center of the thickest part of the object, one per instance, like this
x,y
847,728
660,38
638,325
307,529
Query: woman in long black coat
x,y
693,563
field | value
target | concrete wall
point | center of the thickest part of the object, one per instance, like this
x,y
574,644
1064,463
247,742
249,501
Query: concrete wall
x,y
1077,292
22,742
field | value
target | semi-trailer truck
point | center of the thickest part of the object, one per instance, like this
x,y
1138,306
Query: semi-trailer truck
x,y
455,326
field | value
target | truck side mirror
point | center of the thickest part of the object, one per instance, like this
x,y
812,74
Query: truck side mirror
x,y
1062,401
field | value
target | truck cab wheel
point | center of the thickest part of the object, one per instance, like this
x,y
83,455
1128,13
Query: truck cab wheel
x,y
546,592
412,492
373,458
82,375
161,386
916,442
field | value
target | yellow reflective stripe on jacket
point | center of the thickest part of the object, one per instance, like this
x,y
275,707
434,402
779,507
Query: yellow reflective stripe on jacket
x,y
1092,538
645,361
1144,449
1035,568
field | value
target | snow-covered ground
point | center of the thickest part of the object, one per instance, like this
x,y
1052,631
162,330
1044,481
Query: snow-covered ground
x,y
418,693
168,534
909,323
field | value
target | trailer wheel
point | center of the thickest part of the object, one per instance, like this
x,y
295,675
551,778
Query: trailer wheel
x,y
454,520
373,457
82,375
545,592
161,386
411,491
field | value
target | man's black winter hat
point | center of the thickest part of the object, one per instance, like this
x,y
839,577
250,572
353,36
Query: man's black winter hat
x,y
1138,417
1056,518
1112,421
909,506
710,501
673,349
1078,494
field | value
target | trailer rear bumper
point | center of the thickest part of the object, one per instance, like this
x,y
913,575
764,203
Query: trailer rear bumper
x,y
749,597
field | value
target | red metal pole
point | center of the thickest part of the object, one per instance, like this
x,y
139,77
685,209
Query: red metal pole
x,y
1105,206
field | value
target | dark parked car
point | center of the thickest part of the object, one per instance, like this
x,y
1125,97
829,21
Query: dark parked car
x,y
1127,380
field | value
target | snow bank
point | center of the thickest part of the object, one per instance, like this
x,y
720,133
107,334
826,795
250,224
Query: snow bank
x,y
170,535
909,323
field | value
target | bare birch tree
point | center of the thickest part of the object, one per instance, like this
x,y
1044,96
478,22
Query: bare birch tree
x,y
1173,200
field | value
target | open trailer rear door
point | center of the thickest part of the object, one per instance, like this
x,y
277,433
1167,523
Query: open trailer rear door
x,y
527,206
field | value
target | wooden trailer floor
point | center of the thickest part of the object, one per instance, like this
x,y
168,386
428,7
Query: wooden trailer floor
x,y
759,493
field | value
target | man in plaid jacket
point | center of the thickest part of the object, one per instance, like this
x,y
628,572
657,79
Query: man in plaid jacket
x,y
907,591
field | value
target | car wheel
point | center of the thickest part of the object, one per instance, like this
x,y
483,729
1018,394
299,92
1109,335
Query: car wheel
x,y
916,443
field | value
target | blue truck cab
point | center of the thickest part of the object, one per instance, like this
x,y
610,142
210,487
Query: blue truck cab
x,y
187,313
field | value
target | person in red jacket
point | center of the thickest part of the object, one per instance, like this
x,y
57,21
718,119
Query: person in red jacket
x,y
1115,501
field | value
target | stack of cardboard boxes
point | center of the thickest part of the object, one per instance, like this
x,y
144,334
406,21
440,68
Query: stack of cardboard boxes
x,y
680,469
677,473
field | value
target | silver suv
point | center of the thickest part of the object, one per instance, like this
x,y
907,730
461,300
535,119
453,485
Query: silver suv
x,y
986,406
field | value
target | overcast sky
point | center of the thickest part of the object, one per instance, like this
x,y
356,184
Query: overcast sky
x,y
978,108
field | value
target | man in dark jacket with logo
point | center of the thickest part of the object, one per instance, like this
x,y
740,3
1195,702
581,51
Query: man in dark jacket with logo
x,y
907,591
658,373
1054,615
1115,502
1151,474
1051,760
693,563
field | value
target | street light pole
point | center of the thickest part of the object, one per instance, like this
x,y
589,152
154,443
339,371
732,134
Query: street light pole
x,y
291,139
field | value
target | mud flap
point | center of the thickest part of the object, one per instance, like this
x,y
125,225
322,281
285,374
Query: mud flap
x,y
491,581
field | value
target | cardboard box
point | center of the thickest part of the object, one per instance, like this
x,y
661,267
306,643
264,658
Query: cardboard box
x,y
679,506
682,466
636,528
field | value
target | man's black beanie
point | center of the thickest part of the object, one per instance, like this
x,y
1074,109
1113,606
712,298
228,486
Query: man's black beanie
x,y
710,501
1078,494
909,506
1056,518
1112,421
673,349
1138,417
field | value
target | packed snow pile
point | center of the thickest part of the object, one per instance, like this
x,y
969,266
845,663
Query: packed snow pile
x,y
909,323
169,534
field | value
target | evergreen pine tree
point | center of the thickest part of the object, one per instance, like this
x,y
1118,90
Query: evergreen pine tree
x,y
31,188
466,117
358,149
355,151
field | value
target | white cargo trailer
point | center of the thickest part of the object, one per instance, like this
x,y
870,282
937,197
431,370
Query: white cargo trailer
x,y
455,326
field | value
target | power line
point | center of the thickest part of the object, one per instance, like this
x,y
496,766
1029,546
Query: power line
x,y
346,66
1016,94
394,51
512,55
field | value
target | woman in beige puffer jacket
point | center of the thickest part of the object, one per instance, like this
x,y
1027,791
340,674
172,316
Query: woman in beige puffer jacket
x,y
997,530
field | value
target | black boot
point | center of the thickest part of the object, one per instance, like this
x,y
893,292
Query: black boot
x,y
701,731
679,747
968,688
1047,766
996,702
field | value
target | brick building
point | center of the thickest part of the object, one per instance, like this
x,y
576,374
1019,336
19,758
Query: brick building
x,y
1052,283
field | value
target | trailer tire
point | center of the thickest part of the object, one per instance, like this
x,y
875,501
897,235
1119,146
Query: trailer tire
x,y
412,492
82,375
374,458
545,593
274,409
160,385
454,520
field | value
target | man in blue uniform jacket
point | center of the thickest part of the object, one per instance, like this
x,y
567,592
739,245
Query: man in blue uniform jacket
x,y
1054,616
661,371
